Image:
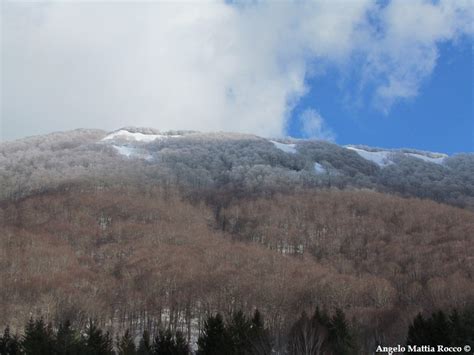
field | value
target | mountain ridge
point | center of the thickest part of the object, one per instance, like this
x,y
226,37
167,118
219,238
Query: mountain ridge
x,y
233,161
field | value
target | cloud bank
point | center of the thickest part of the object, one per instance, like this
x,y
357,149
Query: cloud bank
x,y
239,66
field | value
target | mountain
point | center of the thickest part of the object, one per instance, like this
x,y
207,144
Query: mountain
x,y
238,162
141,229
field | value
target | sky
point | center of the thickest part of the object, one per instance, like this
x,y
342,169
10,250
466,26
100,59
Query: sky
x,y
380,73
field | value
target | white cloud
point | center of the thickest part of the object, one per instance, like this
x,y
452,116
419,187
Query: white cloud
x,y
407,52
313,126
205,65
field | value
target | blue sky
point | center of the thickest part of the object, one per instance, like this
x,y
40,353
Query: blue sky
x,y
381,73
440,118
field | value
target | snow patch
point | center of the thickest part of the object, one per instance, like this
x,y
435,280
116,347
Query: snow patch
x,y
286,147
132,152
126,151
319,169
436,160
381,158
138,137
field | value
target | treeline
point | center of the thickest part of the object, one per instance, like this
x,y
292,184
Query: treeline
x,y
40,338
455,329
239,335
319,334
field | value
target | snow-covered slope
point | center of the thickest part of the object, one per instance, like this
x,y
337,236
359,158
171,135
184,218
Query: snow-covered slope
x,y
384,158
123,134
129,143
286,147
436,158
319,169
217,159
381,158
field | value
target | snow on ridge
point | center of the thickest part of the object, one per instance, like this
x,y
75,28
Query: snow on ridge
x,y
286,147
437,160
381,158
138,137
319,169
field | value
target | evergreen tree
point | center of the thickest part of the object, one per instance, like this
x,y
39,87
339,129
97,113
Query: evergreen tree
x,y
322,317
462,327
164,343
259,337
418,331
431,331
108,344
145,347
9,345
257,320
181,345
38,338
239,331
455,330
125,345
68,341
457,327
440,329
340,336
168,344
214,339
466,333
96,342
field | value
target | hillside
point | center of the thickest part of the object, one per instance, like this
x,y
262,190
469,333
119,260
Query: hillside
x,y
231,161
131,257
142,229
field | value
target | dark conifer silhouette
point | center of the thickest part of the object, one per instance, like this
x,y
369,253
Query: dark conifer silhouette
x,y
96,342
125,344
145,347
214,339
68,340
9,345
38,338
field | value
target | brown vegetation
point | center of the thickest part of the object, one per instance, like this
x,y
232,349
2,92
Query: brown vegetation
x,y
148,258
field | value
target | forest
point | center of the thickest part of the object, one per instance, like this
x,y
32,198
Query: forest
x,y
192,229
149,258
319,333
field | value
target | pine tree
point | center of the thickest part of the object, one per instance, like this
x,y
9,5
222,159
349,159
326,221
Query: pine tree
x,y
38,338
418,331
68,341
125,345
322,317
339,334
259,337
465,333
455,330
181,345
214,339
9,345
239,331
108,344
145,347
96,342
164,343
257,320
440,329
